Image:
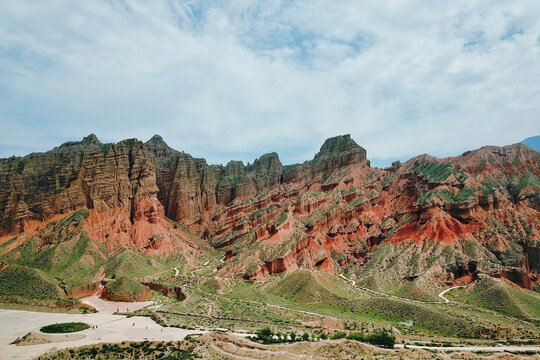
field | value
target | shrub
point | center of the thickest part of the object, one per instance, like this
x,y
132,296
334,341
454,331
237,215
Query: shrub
x,y
292,335
265,335
382,339
358,336
338,335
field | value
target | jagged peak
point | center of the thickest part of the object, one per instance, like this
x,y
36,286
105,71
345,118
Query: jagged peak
x,y
156,139
235,164
268,158
267,162
339,144
91,139
160,151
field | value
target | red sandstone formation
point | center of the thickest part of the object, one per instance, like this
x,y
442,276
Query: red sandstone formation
x,y
425,220
126,297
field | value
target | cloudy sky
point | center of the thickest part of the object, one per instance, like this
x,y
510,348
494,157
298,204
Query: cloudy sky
x,y
234,79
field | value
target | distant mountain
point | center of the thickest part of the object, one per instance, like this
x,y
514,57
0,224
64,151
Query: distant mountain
x,y
533,142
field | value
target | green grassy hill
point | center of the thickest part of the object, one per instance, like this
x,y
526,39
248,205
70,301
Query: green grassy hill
x,y
62,249
499,296
29,283
309,287
126,285
131,264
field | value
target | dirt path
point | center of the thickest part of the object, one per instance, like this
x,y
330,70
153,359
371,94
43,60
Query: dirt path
x,y
279,307
110,307
390,295
441,295
474,348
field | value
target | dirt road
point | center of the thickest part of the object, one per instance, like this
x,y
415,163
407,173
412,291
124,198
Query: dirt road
x,y
475,348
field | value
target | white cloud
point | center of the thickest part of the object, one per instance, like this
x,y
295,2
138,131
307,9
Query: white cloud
x,y
235,79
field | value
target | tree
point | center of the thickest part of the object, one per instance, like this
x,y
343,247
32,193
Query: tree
x,y
305,336
292,335
382,339
265,335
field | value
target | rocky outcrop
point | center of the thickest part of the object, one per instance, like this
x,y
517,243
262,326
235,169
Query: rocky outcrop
x,y
75,175
189,187
116,182
126,289
126,297
422,221
82,291
170,291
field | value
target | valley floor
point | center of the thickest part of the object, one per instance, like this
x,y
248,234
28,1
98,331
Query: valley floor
x,y
108,328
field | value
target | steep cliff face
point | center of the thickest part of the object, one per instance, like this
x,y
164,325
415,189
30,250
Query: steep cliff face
x,y
189,187
116,182
77,174
426,221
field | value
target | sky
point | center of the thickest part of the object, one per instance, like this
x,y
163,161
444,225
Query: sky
x,y
235,79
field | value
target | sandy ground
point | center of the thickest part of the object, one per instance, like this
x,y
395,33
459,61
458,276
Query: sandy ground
x,y
106,328
110,307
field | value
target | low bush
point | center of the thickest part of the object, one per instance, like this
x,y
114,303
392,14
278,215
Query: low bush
x,y
382,339
338,335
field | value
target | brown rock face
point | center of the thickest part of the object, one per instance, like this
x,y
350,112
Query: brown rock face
x,y
126,297
82,291
117,182
425,221
77,174
171,291
189,187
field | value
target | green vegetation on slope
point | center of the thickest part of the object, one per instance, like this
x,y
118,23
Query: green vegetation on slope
x,y
125,285
131,264
61,249
307,287
29,283
499,296
425,317
435,173
64,328
127,350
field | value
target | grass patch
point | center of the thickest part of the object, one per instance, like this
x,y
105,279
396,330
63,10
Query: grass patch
x,y
126,285
305,287
62,328
29,283
503,298
181,350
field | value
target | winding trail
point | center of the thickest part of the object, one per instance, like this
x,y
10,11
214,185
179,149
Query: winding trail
x,y
441,295
390,295
276,306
